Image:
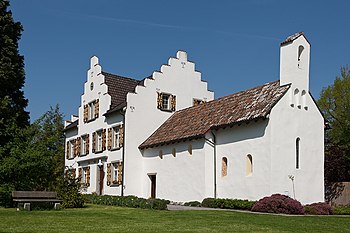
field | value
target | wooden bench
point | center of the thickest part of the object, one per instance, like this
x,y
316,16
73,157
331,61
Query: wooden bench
x,y
26,197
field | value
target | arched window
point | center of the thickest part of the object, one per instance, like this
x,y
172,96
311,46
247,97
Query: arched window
x,y
296,98
174,152
249,165
297,153
224,167
160,154
303,99
189,149
300,53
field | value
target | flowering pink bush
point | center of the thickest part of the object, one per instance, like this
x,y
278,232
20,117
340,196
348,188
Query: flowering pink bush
x,y
319,208
278,203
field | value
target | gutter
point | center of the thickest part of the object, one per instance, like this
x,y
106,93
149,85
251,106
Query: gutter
x,y
213,143
122,112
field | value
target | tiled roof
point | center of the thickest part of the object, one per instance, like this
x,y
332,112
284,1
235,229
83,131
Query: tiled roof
x,y
71,125
195,121
292,37
118,88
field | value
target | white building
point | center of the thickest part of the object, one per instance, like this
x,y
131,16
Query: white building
x,y
165,136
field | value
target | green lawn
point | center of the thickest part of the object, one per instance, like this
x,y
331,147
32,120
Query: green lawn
x,y
104,219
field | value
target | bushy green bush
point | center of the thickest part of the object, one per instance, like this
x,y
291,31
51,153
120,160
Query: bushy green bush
x,y
228,203
68,190
127,201
5,195
319,208
192,203
342,210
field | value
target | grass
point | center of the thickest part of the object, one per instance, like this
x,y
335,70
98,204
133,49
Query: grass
x,y
105,219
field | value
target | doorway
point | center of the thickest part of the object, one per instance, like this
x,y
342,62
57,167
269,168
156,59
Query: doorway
x,y
100,177
153,185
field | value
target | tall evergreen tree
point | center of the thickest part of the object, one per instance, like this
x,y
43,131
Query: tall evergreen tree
x,y
12,77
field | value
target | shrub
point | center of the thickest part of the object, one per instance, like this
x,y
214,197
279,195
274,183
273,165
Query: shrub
x,y
192,203
68,190
280,204
319,208
127,201
228,203
342,210
5,195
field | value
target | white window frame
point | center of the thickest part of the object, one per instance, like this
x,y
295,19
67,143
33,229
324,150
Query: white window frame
x,y
98,141
71,149
91,110
114,172
166,104
115,137
83,144
84,175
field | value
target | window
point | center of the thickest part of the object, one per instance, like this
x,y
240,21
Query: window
x,y
160,154
99,141
114,173
189,149
249,165
297,98
70,149
197,102
174,151
166,102
224,167
115,137
70,173
83,145
91,111
297,153
300,52
84,175
303,99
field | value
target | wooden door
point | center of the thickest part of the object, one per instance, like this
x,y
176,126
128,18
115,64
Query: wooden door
x,y
153,185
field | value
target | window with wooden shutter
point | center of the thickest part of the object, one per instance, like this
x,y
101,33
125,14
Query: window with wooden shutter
x,y
80,174
86,113
109,174
104,139
74,173
74,142
67,150
78,142
109,146
121,136
97,108
87,144
173,102
120,172
159,100
87,182
93,142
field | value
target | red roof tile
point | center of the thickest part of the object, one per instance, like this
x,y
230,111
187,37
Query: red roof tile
x,y
195,121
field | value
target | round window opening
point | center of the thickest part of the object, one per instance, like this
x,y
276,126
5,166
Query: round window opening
x,y
91,86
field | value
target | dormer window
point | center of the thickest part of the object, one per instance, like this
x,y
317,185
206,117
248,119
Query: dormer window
x,y
197,102
166,102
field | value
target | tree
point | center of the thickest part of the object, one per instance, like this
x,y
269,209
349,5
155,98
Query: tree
x,y
334,103
12,102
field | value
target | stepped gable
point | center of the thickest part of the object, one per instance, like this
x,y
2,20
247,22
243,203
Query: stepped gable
x,y
195,122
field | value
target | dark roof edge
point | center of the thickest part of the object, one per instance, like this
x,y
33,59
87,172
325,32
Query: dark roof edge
x,y
141,147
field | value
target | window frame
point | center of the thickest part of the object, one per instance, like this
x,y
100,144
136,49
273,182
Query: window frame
x,y
91,111
99,139
115,137
83,145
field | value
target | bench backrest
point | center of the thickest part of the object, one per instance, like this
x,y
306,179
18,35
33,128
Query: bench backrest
x,y
34,194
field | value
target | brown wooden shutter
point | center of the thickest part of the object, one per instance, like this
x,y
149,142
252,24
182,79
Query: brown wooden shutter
x,y
86,113
109,174
173,102
104,139
67,150
78,146
109,146
121,136
93,142
159,100
80,174
74,147
87,144
88,176
97,107
120,172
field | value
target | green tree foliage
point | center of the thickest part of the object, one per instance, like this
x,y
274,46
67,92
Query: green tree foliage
x,y
334,102
35,160
12,102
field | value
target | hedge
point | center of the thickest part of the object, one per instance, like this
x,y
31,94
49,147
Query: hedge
x,y
227,203
127,201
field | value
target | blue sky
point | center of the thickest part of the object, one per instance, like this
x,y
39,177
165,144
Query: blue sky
x,y
235,44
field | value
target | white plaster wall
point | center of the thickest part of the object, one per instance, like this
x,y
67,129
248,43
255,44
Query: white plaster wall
x,y
99,91
181,178
235,144
288,123
179,78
